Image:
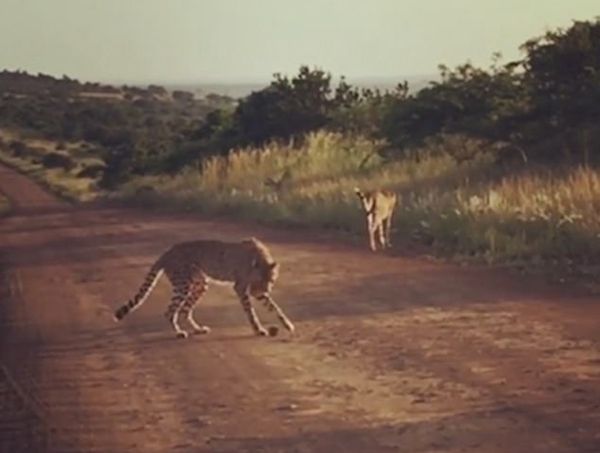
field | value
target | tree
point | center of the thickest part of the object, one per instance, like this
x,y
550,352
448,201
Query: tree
x,y
183,96
361,111
467,101
286,108
562,71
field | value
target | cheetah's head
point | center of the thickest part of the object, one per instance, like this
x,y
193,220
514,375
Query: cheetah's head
x,y
366,199
263,277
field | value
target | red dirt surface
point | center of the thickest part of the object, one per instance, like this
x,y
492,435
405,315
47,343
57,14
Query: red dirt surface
x,y
392,354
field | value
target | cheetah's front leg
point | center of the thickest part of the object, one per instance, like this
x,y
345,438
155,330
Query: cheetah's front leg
x,y
242,293
388,232
381,235
271,305
372,229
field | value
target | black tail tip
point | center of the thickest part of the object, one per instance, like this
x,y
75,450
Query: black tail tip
x,y
120,313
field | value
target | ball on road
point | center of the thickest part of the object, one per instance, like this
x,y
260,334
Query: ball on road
x,y
273,331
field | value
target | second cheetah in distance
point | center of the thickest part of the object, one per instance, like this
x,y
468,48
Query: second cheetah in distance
x,y
379,208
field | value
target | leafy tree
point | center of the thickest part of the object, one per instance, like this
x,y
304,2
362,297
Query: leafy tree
x,y
562,72
286,108
467,100
183,96
118,166
362,111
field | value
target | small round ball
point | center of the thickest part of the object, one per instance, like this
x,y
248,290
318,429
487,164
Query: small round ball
x,y
273,331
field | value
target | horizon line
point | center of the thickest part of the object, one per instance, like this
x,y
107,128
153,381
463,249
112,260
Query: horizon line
x,y
222,81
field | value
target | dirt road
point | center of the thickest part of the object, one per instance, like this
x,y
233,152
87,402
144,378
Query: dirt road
x,y
392,354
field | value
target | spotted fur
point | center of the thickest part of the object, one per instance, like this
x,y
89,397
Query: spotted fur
x,y
190,266
379,208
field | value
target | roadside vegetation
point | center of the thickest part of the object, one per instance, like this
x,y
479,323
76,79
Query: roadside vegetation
x,y
4,205
65,168
541,216
498,164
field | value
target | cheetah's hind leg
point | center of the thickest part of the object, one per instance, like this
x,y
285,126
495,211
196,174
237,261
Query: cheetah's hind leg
x,y
174,309
190,302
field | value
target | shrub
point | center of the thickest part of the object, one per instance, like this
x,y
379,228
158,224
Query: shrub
x,y
60,146
18,148
470,208
92,171
57,160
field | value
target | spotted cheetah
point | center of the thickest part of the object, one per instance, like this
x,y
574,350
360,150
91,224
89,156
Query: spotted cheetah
x,y
190,266
379,208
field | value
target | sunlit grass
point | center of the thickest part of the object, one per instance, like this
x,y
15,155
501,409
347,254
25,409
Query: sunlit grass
x,y
310,185
467,209
66,183
464,210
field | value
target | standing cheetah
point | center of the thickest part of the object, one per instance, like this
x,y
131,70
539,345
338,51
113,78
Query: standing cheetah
x,y
379,208
190,266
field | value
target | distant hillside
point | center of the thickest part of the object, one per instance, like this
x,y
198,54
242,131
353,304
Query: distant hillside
x,y
242,89
231,89
415,83
21,82
89,127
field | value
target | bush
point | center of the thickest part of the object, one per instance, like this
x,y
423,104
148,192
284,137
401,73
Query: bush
x,y
60,146
182,96
458,207
92,171
18,148
56,160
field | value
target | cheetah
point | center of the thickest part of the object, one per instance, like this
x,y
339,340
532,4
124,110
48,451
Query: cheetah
x,y
190,266
379,208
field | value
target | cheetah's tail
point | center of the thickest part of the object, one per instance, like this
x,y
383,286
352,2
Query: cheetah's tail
x,y
149,282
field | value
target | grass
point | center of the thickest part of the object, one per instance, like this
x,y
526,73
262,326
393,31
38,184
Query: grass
x,y
65,182
468,210
532,218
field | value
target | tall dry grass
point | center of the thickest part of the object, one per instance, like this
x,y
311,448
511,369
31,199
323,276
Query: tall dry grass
x,y
469,209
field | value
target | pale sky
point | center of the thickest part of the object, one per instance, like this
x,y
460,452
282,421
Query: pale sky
x,y
248,40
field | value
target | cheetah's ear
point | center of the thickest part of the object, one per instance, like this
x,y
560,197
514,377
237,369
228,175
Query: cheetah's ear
x,y
274,265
